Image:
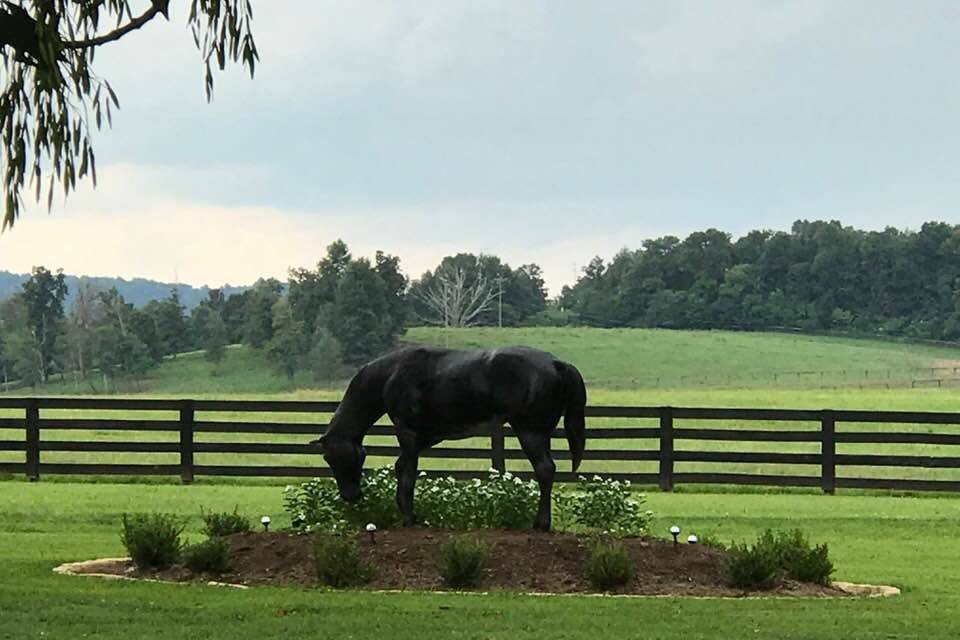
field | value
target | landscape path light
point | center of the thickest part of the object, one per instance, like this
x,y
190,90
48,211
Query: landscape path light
x,y
692,539
675,531
265,521
372,530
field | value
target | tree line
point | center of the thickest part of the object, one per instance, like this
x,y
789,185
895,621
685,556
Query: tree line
x,y
346,310
324,320
819,276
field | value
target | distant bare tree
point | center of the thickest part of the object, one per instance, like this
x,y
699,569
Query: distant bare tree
x,y
456,302
88,312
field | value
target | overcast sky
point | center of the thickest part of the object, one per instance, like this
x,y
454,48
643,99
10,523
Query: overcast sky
x,y
540,131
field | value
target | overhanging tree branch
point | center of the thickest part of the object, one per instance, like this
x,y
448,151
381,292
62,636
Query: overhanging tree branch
x,y
51,91
19,32
160,7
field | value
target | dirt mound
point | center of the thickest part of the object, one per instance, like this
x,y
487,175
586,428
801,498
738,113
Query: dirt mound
x,y
526,561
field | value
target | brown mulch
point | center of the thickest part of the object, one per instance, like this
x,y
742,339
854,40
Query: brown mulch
x,y
524,561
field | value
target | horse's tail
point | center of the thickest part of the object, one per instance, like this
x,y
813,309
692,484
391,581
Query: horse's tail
x,y
574,402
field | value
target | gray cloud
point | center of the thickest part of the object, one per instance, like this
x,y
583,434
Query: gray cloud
x,y
512,125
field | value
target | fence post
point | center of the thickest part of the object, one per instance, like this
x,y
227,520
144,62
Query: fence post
x,y
666,449
828,451
186,442
498,458
32,427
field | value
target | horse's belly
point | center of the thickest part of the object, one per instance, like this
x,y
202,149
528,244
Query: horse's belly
x,y
474,429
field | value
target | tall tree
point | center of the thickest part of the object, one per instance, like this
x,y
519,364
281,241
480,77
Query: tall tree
x,y
354,301
19,351
359,319
234,315
395,290
258,316
43,295
52,89
170,321
287,347
215,341
312,293
325,358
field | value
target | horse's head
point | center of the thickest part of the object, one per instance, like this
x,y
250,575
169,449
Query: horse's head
x,y
346,461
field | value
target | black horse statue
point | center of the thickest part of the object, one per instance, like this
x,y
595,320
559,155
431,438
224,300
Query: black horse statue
x,y
433,394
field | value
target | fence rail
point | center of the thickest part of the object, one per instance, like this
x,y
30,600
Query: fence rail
x,y
40,417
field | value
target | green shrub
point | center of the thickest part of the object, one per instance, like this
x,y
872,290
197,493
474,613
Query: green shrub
x,y
777,554
753,567
505,501
209,556
609,566
462,562
802,561
712,540
316,506
217,525
603,506
497,501
152,539
337,562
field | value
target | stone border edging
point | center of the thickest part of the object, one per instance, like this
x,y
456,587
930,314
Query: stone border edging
x,y
78,569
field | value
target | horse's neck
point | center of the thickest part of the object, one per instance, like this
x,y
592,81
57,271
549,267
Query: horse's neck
x,y
361,406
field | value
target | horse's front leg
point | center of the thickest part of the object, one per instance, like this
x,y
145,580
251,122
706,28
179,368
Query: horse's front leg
x,y
537,447
406,470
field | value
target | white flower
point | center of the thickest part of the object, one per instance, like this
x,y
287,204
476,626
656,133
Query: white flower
x,y
517,481
597,479
423,474
507,475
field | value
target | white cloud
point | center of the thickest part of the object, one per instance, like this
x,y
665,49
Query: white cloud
x,y
135,225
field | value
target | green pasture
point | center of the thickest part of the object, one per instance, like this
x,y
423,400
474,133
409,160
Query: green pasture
x,y
641,360
907,542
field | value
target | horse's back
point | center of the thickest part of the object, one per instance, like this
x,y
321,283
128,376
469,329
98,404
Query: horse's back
x,y
438,385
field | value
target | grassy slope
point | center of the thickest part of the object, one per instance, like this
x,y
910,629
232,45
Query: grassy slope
x,y
902,541
631,358
612,359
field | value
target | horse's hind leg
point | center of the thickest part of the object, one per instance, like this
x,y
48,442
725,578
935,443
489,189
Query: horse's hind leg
x,y
536,445
406,470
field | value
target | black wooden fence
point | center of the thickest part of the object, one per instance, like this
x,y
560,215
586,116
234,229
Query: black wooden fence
x,y
40,416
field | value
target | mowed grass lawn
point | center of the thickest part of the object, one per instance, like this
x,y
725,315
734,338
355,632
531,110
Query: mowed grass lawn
x,y
908,542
